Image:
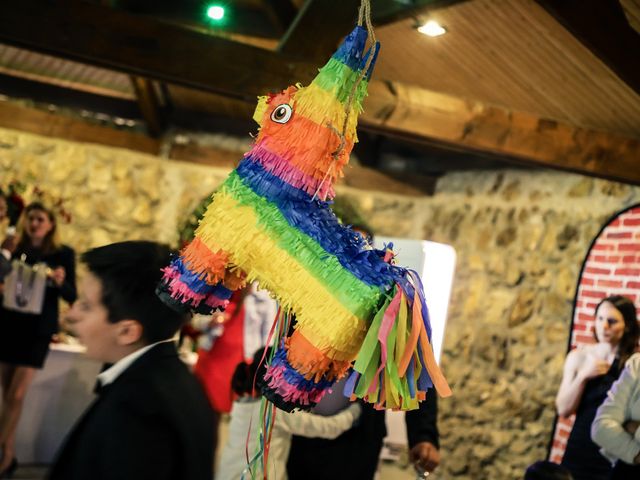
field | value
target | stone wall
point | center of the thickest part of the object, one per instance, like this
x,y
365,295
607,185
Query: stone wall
x,y
520,237
113,194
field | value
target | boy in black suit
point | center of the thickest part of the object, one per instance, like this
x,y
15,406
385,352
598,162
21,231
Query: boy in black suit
x,y
151,419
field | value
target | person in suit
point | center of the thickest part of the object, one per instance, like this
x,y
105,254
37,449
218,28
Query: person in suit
x,y
151,419
355,453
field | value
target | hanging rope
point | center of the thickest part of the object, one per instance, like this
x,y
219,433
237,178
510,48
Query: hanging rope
x,y
364,15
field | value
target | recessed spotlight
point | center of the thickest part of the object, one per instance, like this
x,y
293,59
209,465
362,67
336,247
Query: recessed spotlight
x,y
432,29
215,12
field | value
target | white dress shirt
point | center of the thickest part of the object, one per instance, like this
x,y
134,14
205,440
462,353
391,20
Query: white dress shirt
x,y
115,370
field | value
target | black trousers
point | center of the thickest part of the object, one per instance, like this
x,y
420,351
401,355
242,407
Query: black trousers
x,y
624,471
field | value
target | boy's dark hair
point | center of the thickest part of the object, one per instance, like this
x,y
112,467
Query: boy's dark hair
x,y
129,273
545,470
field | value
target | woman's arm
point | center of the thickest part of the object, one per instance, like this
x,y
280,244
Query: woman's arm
x,y
579,367
608,429
307,424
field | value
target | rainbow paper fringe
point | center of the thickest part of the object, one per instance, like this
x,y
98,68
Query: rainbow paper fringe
x,y
396,365
270,222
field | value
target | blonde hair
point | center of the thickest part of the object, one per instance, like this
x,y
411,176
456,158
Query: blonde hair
x,y
51,241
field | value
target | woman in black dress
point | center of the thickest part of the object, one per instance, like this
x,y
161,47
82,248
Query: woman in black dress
x,y
24,338
589,372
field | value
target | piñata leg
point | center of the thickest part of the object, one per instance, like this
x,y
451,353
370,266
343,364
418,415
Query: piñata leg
x,y
200,279
300,374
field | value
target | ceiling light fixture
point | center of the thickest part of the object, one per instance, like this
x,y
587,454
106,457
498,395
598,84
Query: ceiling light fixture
x,y
215,12
432,29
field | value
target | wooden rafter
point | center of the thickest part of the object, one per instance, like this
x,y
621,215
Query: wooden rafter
x,y
34,121
48,124
149,105
142,46
421,115
601,25
168,53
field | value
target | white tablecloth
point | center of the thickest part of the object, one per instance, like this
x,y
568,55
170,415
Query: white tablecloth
x,y
58,395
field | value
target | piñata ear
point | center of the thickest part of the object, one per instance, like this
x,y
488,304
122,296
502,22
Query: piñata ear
x,y
261,109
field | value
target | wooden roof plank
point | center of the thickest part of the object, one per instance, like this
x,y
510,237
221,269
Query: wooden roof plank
x,y
141,46
55,125
420,115
601,25
149,105
320,24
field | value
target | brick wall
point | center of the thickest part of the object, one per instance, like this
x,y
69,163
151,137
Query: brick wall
x,y
612,267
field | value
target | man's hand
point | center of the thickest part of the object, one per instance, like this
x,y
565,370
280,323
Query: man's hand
x,y
425,457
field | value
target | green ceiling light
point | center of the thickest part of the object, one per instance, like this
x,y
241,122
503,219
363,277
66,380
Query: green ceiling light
x,y
215,12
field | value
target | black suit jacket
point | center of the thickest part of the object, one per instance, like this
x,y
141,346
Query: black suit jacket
x,y
153,422
354,454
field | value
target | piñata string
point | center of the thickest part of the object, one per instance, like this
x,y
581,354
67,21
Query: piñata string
x,y
364,13
278,331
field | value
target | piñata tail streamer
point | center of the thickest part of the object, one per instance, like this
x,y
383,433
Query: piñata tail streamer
x,y
268,412
271,221
396,365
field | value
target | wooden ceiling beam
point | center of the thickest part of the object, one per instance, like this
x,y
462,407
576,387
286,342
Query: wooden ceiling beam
x,y
142,46
318,28
47,124
149,105
419,115
602,26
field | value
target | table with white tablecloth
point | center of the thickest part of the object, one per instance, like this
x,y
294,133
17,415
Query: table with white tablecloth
x,y
60,392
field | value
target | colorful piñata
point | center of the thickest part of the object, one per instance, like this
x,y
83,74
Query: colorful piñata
x,y
270,221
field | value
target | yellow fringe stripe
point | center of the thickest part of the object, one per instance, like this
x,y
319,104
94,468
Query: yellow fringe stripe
x,y
322,107
323,320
